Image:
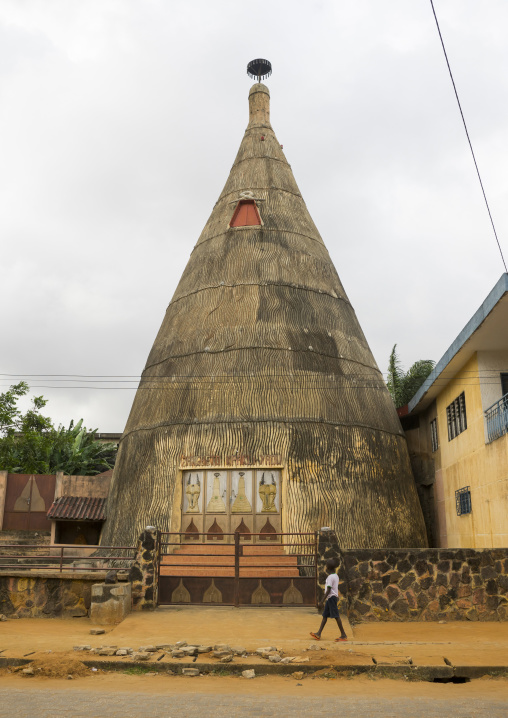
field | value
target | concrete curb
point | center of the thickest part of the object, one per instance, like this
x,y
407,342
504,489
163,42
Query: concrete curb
x,y
418,673
6,662
421,673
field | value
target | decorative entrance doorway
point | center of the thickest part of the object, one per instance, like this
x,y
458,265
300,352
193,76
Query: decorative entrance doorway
x,y
217,503
231,549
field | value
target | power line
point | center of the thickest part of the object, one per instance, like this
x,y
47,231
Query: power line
x,y
129,378
467,135
297,385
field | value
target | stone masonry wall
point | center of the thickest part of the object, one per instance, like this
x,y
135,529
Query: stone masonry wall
x,y
418,584
46,594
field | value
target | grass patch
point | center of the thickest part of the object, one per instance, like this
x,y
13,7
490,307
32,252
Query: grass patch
x,y
137,670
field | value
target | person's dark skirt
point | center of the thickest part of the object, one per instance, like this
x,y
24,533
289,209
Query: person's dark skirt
x,y
331,608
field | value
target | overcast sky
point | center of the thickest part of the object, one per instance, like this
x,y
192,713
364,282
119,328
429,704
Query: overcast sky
x,y
119,123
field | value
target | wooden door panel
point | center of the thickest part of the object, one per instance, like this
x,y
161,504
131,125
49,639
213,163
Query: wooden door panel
x,y
218,502
17,502
27,501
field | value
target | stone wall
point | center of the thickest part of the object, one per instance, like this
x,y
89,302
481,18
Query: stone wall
x,y
144,572
50,594
418,584
47,594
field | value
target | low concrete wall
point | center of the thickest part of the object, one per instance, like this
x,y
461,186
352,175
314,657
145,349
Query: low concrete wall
x,y
111,603
86,486
418,584
47,594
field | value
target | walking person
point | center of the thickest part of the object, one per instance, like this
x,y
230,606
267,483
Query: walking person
x,y
330,602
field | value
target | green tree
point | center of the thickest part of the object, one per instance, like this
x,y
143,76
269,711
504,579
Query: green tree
x,y
11,418
31,444
404,385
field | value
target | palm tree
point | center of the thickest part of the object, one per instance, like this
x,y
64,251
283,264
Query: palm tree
x,y
404,385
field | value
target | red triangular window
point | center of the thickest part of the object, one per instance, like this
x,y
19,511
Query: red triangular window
x,y
246,214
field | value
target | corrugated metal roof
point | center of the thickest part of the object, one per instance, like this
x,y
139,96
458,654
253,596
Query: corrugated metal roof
x,y
78,508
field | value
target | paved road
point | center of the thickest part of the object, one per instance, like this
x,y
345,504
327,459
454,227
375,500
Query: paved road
x,y
28,703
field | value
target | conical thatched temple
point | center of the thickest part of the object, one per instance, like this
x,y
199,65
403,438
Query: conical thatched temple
x,y
261,407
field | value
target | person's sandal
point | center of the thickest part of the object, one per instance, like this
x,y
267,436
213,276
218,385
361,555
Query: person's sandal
x,y
314,635
340,639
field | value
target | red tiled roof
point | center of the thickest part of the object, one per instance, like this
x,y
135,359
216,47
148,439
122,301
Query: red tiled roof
x,y
78,508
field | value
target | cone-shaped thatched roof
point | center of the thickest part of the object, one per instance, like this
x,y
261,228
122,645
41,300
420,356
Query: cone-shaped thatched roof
x,y
260,352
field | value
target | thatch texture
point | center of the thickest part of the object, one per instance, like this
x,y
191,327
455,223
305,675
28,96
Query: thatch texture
x,y
260,352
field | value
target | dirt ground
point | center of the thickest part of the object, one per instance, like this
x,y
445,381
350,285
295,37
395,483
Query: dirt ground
x,y
462,643
488,688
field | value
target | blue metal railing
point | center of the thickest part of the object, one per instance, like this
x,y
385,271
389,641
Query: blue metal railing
x,y
496,418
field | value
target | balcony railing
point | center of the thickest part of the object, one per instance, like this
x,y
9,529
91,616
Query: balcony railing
x,y
496,418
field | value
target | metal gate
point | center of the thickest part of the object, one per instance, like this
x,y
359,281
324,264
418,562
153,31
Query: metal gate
x,y
271,569
27,501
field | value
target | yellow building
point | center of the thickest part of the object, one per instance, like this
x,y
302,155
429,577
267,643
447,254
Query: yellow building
x,y
457,431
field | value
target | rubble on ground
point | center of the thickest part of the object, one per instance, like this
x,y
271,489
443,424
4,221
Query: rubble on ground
x,y
221,652
141,656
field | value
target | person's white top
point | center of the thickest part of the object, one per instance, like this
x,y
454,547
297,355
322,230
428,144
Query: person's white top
x,y
333,581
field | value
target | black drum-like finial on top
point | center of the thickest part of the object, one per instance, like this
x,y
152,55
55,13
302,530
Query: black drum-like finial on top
x,y
259,69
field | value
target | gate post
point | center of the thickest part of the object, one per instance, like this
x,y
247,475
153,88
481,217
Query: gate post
x,y
144,571
237,569
328,548
316,562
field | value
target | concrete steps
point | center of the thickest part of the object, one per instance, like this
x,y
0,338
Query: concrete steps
x,y
182,560
212,560
222,548
26,543
25,537
214,572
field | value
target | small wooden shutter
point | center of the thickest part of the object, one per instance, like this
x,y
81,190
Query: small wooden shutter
x,y
245,215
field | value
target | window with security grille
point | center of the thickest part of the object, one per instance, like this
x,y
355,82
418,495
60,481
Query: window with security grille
x,y
433,435
463,501
456,417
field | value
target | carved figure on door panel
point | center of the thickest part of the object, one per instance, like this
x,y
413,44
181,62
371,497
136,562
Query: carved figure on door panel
x,y
216,504
241,504
268,492
193,492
